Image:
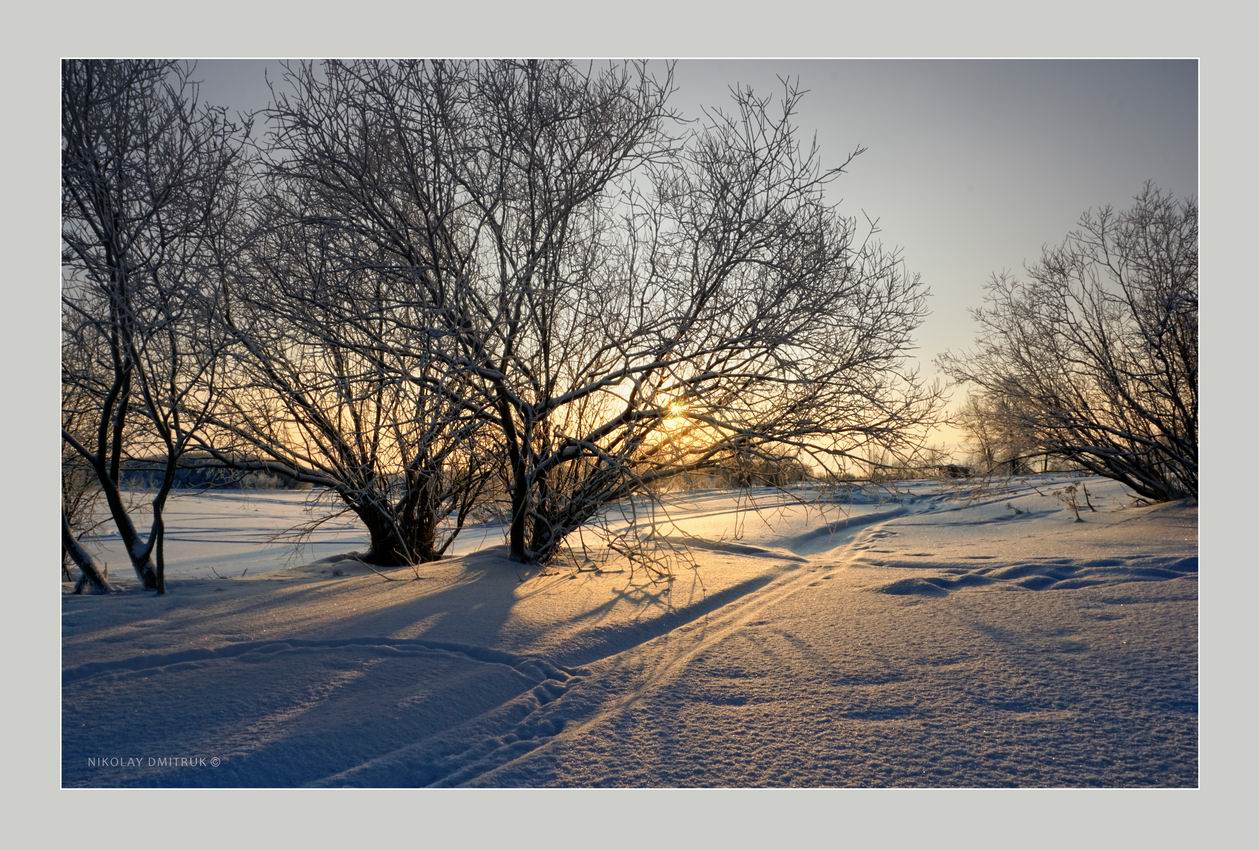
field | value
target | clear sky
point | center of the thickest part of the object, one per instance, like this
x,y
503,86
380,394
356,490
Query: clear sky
x,y
972,165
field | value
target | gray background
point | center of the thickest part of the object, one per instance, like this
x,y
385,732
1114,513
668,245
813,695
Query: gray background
x,y
1214,31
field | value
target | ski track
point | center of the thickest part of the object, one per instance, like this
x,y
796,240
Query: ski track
x,y
146,664
533,727
549,705
535,716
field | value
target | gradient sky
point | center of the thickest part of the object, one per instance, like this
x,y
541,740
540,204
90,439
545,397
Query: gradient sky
x,y
972,165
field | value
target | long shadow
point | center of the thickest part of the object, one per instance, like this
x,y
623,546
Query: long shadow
x,y
404,620
289,726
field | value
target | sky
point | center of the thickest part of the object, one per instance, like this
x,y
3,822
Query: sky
x,y
971,165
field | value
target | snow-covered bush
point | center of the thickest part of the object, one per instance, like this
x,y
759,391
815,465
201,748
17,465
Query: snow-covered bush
x,y
1094,356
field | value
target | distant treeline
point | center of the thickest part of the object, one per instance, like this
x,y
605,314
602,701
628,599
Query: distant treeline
x,y
198,471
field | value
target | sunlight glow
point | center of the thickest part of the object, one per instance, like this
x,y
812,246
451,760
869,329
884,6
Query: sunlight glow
x,y
676,415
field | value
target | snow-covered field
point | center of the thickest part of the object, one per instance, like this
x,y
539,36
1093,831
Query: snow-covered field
x,y
927,636
241,533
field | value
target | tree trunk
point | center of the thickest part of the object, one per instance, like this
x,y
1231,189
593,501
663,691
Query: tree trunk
x,y
395,542
137,552
160,572
92,577
144,569
518,529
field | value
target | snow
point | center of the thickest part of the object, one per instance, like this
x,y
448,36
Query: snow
x,y
236,533
928,634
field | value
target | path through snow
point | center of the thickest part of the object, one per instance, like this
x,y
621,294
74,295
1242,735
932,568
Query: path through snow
x,y
941,638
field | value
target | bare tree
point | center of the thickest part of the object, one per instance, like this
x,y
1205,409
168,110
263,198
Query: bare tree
x,y
1095,355
80,493
148,180
313,394
624,299
976,423
996,436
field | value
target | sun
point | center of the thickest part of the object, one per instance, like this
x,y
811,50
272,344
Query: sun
x,y
675,415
